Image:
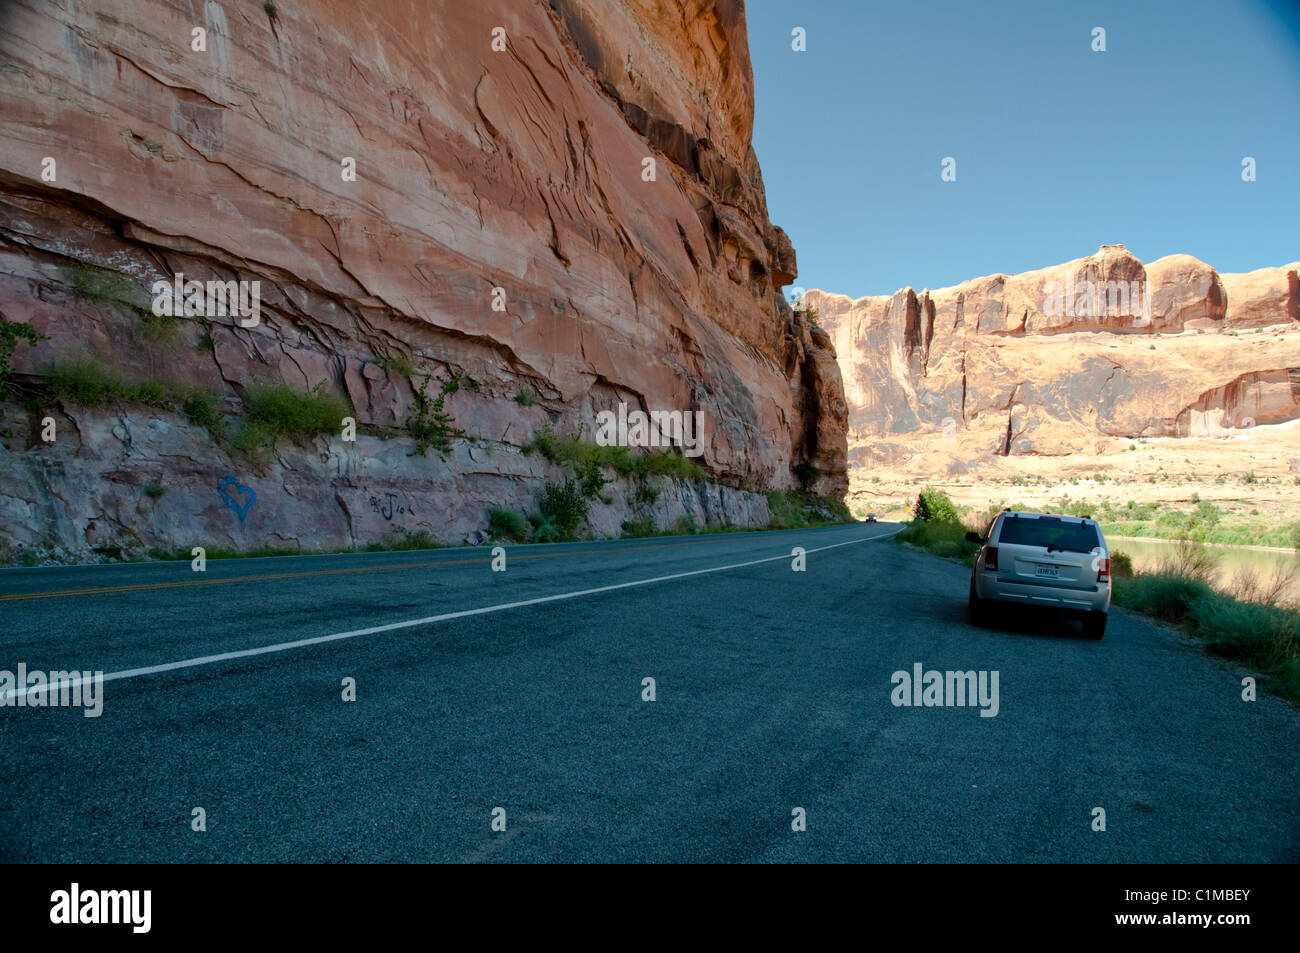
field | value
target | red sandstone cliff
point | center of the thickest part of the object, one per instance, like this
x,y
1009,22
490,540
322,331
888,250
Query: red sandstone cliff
x,y
514,175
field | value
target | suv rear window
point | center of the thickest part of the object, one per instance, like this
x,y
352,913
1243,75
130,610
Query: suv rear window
x,y
1053,534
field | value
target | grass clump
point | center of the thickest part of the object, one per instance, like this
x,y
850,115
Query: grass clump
x,y
796,509
639,528
405,541
204,408
581,455
1247,624
102,284
85,382
685,526
282,411
525,399
398,364
160,328
945,539
505,523
89,383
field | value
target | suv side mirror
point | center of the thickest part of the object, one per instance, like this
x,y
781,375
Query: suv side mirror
x,y
975,538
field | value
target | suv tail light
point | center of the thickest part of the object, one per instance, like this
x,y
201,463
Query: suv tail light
x,y
1103,570
990,559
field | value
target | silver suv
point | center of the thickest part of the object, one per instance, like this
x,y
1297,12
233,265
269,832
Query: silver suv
x,y
1036,559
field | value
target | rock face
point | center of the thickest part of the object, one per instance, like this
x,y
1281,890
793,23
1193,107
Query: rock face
x,y
559,200
1050,361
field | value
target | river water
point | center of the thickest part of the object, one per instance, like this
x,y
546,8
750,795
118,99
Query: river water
x,y
1147,554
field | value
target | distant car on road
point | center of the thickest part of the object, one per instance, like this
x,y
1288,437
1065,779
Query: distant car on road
x,y
1037,559
871,517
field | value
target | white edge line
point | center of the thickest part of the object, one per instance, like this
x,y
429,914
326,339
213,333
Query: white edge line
x,y
11,695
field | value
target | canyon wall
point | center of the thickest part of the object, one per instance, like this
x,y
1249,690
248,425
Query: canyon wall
x,y
1061,360
557,200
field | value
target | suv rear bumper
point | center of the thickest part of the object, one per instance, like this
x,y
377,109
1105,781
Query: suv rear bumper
x,y
1095,599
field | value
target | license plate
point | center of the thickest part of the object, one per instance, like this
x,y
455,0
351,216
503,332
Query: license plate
x,y
1049,572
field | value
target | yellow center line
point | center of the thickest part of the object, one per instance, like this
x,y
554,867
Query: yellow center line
x,y
141,587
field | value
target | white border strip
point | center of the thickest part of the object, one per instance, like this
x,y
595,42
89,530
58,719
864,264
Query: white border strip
x,y
13,694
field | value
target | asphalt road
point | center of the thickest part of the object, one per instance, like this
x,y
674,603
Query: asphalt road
x,y
773,692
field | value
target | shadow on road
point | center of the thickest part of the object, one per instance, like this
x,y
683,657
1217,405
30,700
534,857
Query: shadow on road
x,y
1030,620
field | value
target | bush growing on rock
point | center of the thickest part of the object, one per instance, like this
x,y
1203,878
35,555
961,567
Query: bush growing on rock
x,y
431,426
285,412
11,332
563,507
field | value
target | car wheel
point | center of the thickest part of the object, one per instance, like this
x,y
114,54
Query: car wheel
x,y
979,610
1094,625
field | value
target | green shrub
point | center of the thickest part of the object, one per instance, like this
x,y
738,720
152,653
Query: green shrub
x,y
505,523
685,526
564,507
933,506
431,426
784,510
544,529
1121,565
640,527
204,409
590,479
11,332
525,399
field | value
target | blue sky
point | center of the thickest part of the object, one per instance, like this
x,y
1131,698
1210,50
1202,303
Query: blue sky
x,y
1058,148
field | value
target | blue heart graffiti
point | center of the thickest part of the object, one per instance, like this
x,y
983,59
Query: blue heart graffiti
x,y
233,501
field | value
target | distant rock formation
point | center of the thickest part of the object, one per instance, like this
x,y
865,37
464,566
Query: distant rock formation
x,y
1044,361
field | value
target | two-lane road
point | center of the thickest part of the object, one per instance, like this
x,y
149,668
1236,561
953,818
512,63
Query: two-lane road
x,y
523,690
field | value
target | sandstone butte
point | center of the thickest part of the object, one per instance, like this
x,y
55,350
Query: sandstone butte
x,y
951,380
521,169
